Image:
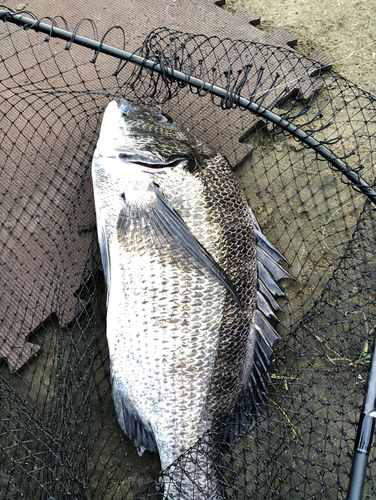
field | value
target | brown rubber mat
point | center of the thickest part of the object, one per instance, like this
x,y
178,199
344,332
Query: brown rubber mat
x,y
46,199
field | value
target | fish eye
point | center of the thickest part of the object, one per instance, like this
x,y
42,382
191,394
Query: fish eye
x,y
163,119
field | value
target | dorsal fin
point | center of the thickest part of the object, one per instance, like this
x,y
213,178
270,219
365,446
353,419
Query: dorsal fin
x,y
264,317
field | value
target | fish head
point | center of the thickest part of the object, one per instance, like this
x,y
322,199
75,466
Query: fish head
x,y
148,139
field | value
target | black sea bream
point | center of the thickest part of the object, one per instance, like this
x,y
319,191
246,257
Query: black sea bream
x,y
190,288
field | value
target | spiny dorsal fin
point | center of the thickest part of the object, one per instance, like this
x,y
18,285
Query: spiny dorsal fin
x,y
264,317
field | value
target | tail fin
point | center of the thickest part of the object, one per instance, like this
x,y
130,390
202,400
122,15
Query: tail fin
x,y
194,475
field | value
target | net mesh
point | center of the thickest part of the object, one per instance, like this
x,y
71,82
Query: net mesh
x,y
58,432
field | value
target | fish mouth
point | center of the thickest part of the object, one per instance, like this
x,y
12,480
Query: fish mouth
x,y
153,164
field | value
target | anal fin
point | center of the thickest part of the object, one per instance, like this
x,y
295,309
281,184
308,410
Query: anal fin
x,y
131,423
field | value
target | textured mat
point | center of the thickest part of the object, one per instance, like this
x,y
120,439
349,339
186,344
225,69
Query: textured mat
x,y
33,199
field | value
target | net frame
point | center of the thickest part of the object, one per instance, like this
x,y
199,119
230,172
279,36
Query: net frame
x,y
228,100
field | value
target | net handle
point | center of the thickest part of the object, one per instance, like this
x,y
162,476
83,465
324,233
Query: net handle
x,y
364,437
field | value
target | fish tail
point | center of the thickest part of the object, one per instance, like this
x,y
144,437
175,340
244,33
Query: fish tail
x,y
195,475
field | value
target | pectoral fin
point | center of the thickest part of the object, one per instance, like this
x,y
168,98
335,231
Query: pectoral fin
x,y
173,226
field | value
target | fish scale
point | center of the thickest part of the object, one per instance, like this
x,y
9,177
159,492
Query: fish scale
x,y
178,248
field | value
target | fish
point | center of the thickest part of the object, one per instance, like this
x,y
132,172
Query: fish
x,y
191,290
